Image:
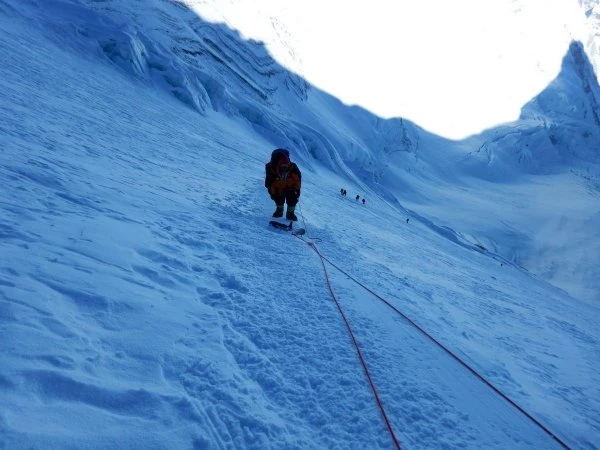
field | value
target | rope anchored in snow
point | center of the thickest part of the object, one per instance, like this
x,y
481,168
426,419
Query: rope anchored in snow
x,y
356,346
426,334
449,352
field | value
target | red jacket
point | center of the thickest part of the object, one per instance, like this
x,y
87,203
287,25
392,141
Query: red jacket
x,y
278,183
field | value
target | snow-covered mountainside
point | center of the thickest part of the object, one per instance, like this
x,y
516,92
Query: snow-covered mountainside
x,y
558,135
211,67
548,165
146,303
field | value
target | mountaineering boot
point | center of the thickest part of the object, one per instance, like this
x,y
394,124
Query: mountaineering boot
x,y
289,215
278,211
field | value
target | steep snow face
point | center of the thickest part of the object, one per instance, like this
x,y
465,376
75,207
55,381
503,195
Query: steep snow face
x,y
210,67
145,302
168,45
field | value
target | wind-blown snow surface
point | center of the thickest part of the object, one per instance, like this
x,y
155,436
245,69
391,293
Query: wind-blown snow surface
x,y
145,303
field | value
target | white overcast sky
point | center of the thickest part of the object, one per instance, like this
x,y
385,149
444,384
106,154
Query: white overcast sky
x,y
453,68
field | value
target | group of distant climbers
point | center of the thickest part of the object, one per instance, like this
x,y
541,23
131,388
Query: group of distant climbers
x,y
344,192
283,180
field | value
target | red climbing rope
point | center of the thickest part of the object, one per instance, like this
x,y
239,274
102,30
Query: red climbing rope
x,y
425,333
453,355
355,342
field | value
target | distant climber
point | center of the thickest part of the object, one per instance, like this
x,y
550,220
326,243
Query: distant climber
x,y
357,197
363,200
343,192
283,180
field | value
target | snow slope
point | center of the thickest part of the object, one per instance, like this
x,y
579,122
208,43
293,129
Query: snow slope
x,y
145,303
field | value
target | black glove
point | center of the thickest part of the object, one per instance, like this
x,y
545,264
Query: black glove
x,y
297,192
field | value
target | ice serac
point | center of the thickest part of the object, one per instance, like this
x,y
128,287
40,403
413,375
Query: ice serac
x,y
204,66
